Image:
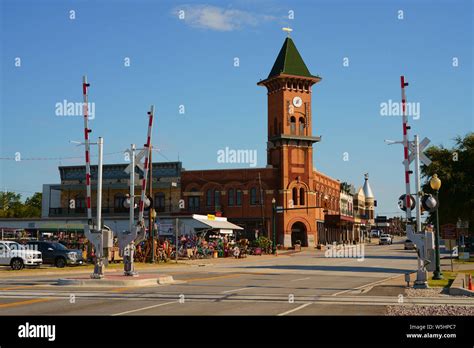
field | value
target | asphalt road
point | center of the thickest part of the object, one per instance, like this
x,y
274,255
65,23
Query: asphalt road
x,y
305,283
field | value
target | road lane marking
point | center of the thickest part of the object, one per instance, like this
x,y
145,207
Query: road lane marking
x,y
212,278
296,280
294,309
144,308
234,290
19,287
21,303
367,285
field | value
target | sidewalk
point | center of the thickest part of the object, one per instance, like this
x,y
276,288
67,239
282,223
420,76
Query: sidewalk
x,y
6,272
115,268
226,260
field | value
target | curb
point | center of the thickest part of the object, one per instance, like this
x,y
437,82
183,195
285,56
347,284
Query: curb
x,y
457,288
163,280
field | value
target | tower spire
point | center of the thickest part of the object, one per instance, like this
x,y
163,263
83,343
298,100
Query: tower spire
x,y
288,30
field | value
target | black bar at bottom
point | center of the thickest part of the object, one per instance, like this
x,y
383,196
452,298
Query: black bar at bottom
x,y
216,330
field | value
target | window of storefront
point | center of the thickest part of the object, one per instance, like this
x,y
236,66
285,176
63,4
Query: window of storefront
x,y
159,202
238,197
253,196
217,199
209,198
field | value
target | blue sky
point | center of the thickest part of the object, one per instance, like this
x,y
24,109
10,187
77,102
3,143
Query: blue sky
x,y
190,62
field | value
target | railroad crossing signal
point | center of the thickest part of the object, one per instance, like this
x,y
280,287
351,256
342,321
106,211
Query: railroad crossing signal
x,y
402,202
423,158
138,158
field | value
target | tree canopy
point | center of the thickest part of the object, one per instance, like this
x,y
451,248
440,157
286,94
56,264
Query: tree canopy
x,y
11,205
455,168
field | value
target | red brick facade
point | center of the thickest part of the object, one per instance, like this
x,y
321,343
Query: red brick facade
x,y
245,196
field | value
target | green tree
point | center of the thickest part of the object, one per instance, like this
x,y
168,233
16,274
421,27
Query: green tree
x,y
10,204
12,207
455,168
32,206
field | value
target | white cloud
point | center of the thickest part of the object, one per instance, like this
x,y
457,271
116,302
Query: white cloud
x,y
218,18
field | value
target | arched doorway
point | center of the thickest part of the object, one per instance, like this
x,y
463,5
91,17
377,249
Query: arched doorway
x,y
298,232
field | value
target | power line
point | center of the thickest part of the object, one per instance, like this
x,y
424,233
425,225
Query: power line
x,y
54,158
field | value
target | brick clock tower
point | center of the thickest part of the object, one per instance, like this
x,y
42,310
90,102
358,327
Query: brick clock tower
x,y
290,144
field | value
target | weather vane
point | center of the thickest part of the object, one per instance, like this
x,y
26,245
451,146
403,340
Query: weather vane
x,y
288,30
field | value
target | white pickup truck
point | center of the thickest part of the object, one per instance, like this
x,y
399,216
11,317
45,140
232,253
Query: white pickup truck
x,y
385,239
18,256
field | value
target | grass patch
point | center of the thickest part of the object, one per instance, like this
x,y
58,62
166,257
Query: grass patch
x,y
448,279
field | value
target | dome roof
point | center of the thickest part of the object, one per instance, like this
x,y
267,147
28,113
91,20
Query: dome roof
x,y
367,189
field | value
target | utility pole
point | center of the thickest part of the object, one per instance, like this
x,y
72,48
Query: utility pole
x,y
128,264
93,232
99,266
137,232
87,147
417,184
413,232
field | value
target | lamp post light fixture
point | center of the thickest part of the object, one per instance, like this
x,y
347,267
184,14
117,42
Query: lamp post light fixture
x,y
274,225
435,184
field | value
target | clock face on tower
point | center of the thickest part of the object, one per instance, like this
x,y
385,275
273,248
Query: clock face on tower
x,y
297,102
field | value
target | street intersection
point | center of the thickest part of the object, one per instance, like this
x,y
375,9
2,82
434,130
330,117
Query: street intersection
x,y
303,283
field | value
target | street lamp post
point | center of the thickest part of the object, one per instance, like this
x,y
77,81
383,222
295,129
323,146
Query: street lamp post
x,y
435,184
274,225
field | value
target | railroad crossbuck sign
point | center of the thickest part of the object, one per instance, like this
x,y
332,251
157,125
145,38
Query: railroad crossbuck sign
x,y
138,158
423,158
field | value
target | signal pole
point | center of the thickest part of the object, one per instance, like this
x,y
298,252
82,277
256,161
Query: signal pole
x,y
93,232
412,233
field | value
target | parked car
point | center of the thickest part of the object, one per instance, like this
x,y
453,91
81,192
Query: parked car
x,y
409,245
17,256
374,233
385,239
57,254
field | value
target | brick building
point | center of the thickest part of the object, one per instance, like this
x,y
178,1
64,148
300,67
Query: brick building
x,y
245,196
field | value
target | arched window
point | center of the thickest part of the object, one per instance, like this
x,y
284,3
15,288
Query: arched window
x,y
217,199
293,125
230,197
193,202
301,196
253,196
209,198
295,196
302,125
238,197
318,203
159,202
